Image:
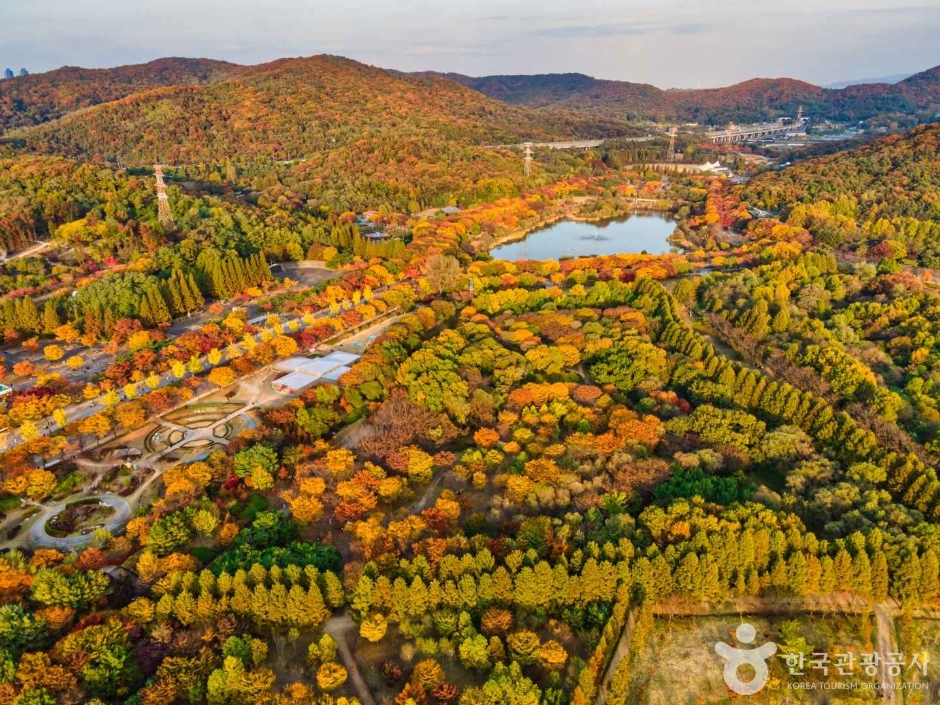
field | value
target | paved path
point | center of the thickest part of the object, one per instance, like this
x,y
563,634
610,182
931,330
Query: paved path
x,y
428,495
338,627
572,144
39,537
29,251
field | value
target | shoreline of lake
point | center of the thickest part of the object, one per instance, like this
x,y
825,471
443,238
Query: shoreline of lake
x,y
522,233
600,222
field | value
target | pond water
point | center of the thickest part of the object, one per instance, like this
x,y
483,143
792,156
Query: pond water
x,y
643,232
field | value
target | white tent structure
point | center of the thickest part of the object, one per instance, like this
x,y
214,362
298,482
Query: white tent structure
x,y
303,372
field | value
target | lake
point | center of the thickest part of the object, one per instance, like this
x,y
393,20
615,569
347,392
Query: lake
x,y
568,238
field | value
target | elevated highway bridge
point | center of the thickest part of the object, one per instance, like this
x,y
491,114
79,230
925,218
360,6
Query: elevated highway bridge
x,y
746,133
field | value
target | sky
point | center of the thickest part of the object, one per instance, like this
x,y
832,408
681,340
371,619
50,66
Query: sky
x,y
669,43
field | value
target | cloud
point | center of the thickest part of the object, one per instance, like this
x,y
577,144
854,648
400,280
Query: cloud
x,y
621,29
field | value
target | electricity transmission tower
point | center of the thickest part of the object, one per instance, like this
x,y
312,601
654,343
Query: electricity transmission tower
x,y
671,154
163,202
527,159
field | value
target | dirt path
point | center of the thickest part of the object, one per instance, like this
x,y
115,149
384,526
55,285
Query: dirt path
x,y
621,652
886,645
425,499
338,627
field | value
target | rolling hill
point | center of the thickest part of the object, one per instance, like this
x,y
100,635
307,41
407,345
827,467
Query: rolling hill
x,y
295,108
894,177
917,97
37,98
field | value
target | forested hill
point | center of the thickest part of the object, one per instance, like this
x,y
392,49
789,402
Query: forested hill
x,y
758,99
37,98
883,197
897,176
295,108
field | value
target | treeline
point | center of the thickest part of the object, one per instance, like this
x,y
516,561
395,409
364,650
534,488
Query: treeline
x,y
96,308
226,276
348,239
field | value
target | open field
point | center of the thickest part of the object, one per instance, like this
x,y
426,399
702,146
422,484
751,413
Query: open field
x,y
678,664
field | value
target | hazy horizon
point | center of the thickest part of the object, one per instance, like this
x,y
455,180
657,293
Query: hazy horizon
x,y
665,44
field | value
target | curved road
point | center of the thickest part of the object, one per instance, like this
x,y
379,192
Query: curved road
x,y
39,537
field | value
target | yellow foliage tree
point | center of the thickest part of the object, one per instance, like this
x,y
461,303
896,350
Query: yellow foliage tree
x,y
74,362
222,376
53,353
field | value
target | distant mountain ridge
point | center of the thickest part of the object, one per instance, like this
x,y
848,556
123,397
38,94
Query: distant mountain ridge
x,y
38,98
895,78
917,96
200,110
295,108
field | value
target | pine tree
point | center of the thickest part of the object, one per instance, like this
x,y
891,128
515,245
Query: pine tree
x,y
862,576
28,316
158,307
145,314
50,318
781,321
107,323
929,566
236,269
91,325
10,320
797,574
192,296
843,569
879,578
907,579
216,280
173,293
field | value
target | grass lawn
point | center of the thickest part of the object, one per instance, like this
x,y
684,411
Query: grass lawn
x,y
916,636
247,511
679,665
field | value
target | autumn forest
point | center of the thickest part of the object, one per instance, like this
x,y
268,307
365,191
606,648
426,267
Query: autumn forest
x,y
276,426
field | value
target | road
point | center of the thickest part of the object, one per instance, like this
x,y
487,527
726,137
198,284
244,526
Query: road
x,y
30,251
572,144
621,652
39,537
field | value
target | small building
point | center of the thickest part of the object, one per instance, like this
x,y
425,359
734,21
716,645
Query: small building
x,y
293,382
303,372
715,168
450,210
343,358
5,389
